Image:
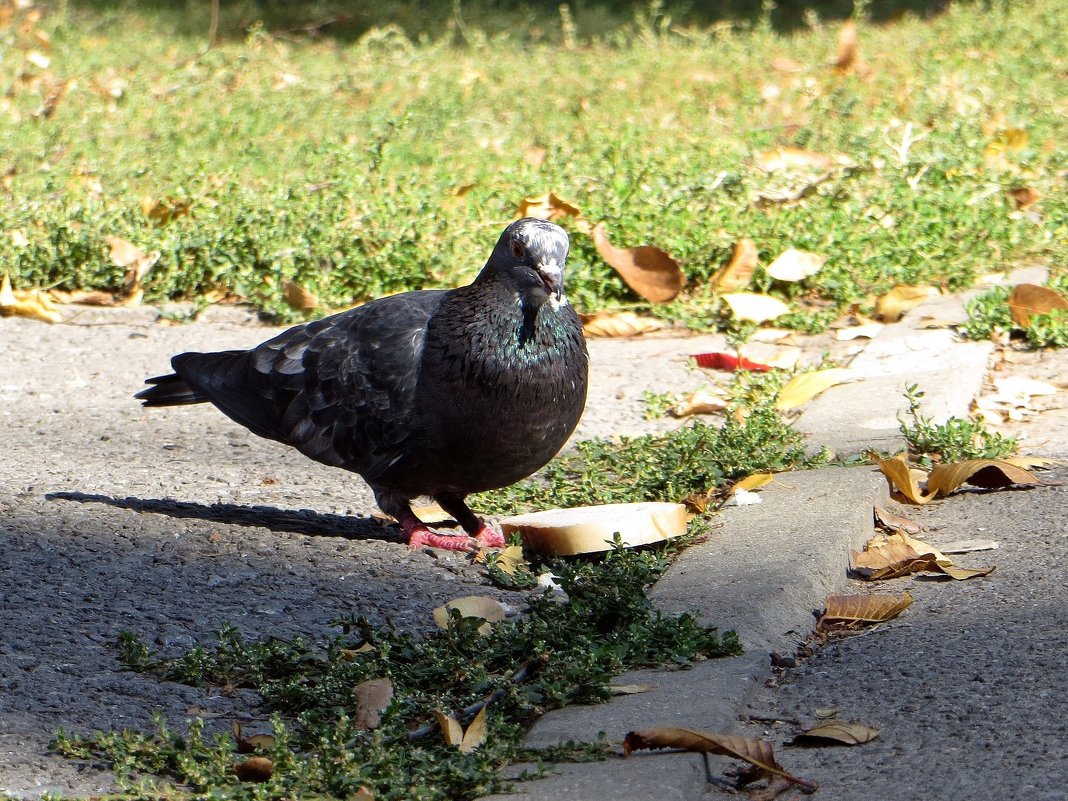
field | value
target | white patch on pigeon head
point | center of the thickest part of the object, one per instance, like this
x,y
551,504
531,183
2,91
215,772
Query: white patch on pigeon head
x,y
544,240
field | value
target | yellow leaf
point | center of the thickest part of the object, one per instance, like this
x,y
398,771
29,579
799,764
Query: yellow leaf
x,y
298,297
137,263
163,211
792,158
804,387
619,324
510,558
837,732
549,206
737,273
891,306
848,60
481,606
1030,299
451,730
868,330
475,734
1007,140
648,270
755,308
795,265
903,479
987,473
752,482
704,400
27,303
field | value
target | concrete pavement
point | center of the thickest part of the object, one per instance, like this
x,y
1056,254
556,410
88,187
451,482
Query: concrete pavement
x,y
107,510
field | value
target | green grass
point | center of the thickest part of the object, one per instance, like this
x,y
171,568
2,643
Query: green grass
x,y
335,162
989,316
571,651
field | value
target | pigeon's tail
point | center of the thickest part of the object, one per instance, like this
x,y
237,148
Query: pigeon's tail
x,y
169,390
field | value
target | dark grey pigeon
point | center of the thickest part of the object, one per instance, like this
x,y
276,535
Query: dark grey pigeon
x,y
438,393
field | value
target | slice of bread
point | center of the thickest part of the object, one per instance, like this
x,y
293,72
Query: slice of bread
x,y
586,529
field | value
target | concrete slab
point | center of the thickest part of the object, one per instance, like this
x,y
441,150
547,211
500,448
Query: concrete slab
x,y
762,574
863,415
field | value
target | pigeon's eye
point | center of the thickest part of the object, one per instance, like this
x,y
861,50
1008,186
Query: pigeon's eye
x,y
517,249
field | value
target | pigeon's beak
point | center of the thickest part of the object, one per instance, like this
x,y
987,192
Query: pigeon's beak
x,y
552,277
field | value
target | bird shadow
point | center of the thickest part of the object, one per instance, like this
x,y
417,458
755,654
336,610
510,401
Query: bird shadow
x,y
295,521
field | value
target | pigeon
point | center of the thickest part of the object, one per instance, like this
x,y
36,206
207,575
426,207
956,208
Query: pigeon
x,y
437,393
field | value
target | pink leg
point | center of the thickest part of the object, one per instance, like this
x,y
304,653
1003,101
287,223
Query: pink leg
x,y
419,536
488,538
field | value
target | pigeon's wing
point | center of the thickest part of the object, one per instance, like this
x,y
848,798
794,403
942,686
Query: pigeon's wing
x,y
341,390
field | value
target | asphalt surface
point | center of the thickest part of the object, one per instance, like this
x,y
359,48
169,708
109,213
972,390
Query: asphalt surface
x,y
172,523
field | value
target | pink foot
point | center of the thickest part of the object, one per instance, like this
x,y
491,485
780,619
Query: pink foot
x,y
488,538
422,536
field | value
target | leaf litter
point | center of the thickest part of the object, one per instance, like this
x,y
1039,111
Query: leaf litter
x,y
758,753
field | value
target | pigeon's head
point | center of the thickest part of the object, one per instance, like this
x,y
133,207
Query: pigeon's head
x,y
530,257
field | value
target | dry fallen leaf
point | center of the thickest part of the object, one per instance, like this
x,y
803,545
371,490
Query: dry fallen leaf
x,y
848,47
839,732
792,158
755,308
1007,140
489,609
27,303
549,206
372,698
162,211
298,297
893,556
1029,462
510,558
892,522
451,730
619,324
254,769
738,272
475,735
704,400
629,689
753,481
851,610
969,546
453,734
795,265
986,473
887,557
805,386
1030,299
755,752
648,270
252,743
137,263
868,331
1024,196
891,306
902,478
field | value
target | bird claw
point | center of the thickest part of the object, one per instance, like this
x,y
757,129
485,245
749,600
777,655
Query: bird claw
x,y
423,537
488,538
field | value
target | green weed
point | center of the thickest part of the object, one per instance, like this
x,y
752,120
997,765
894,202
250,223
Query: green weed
x,y
336,162
989,315
952,441
568,653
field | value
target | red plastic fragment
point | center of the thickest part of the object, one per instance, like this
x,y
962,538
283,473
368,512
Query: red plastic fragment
x,y
727,361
